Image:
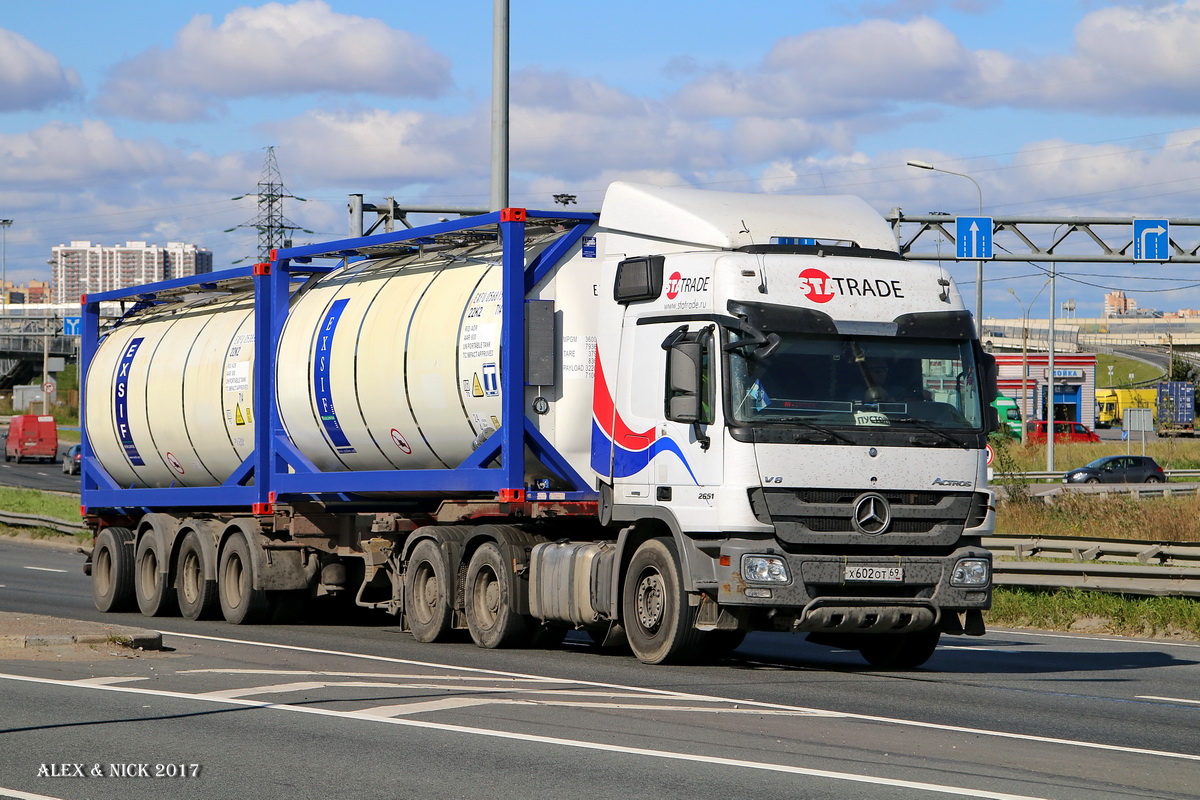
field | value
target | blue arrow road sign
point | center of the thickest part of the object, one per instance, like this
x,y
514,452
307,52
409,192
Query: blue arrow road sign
x,y
1151,240
72,326
974,236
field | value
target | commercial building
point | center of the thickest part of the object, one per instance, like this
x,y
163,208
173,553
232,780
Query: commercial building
x,y
1074,384
86,268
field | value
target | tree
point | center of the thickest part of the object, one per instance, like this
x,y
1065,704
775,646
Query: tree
x,y
1182,370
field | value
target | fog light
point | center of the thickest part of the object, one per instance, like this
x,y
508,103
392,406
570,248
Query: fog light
x,y
971,572
764,569
752,592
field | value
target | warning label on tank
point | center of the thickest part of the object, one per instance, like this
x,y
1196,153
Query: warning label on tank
x,y
478,340
237,376
322,384
121,402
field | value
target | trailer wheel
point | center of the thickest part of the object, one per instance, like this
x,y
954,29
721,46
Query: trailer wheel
x,y
112,570
899,650
658,621
427,593
489,601
151,585
197,596
241,603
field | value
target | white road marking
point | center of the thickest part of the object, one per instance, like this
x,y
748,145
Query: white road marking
x,y
25,795
109,680
446,704
698,698
550,740
47,569
1167,699
1108,639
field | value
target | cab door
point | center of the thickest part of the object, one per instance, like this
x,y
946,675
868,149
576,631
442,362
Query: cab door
x,y
689,473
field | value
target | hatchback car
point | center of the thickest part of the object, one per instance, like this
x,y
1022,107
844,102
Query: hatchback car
x,y
72,460
1118,469
1035,431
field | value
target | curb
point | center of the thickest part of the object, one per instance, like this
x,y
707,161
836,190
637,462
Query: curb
x,y
134,639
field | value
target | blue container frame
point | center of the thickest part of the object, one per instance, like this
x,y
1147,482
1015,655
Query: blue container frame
x,y
263,479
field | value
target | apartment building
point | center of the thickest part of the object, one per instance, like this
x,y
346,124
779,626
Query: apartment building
x,y
86,268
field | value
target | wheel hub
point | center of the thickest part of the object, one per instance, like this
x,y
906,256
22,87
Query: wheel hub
x,y
650,601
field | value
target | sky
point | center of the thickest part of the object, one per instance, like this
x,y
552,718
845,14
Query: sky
x,y
141,121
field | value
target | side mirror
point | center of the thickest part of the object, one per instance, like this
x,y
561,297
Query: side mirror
x,y
684,364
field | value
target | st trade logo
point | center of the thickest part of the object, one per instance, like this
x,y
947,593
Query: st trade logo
x,y
818,285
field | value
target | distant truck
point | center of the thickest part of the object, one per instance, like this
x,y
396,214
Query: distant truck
x,y
1176,403
1009,415
32,436
1112,403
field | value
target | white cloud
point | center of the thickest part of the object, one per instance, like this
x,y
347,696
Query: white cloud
x,y
867,68
273,50
31,78
1126,59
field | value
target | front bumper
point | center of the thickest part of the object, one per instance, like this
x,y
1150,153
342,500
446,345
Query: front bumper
x,y
817,596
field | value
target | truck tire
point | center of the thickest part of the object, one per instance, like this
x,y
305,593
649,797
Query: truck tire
x,y
241,603
112,570
488,601
659,623
197,597
151,585
427,593
899,650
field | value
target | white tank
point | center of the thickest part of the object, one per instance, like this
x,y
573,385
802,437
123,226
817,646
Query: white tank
x,y
383,364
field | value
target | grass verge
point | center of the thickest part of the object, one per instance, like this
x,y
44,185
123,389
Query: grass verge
x,y
31,501
1095,612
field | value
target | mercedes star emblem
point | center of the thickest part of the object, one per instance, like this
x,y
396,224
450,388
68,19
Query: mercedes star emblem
x,y
872,514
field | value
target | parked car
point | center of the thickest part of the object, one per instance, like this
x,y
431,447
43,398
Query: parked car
x,y
72,460
1118,469
1035,431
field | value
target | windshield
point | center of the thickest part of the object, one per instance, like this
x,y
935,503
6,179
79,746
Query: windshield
x,y
857,381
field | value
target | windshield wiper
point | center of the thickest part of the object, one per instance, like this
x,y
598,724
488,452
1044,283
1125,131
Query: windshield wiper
x,y
928,429
830,432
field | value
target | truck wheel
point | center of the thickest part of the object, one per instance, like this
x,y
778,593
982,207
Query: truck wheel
x,y
427,593
489,601
197,597
658,621
241,603
112,570
899,650
152,586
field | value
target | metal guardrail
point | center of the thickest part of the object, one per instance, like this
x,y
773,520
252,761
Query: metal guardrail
x,y
38,521
1055,477
1105,565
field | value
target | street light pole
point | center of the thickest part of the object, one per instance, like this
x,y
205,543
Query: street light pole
x,y
5,224
978,264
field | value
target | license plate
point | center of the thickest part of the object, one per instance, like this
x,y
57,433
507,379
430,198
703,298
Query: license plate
x,y
865,573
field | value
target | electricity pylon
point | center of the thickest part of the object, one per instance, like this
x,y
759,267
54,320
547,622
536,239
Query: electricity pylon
x,y
272,226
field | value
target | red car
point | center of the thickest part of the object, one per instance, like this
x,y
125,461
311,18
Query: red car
x,y
1035,431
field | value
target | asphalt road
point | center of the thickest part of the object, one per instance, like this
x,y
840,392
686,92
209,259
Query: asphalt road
x,y
360,709
39,475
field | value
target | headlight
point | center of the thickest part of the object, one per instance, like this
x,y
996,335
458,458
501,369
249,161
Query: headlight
x,y
764,569
971,572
